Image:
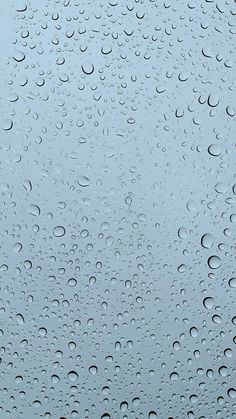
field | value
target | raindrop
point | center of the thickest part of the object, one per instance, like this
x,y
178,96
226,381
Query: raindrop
x,y
214,262
7,124
214,150
59,231
34,210
87,68
152,415
232,393
83,181
19,56
207,241
73,376
232,282
93,370
20,319
208,303
72,282
213,100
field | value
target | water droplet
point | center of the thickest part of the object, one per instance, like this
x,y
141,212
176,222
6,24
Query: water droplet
x,y
182,233
19,56
59,231
232,393
73,376
7,124
72,282
55,379
42,331
214,150
87,68
93,370
34,210
152,415
207,241
214,262
20,319
213,100
83,181
232,282
193,332
230,111
208,303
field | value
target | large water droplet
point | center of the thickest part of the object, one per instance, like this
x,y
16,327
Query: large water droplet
x,y
59,231
214,262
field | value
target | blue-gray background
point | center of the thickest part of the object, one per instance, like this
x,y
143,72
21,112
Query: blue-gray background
x,y
117,181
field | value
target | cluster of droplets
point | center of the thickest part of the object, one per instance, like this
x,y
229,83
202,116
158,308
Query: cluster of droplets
x,y
118,184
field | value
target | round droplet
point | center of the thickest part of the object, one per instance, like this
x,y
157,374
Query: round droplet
x,y
182,268
207,241
232,282
13,97
232,393
216,319
60,61
174,376
21,7
71,345
206,51
59,231
223,371
83,181
228,353
84,233
152,415
214,262
18,379
36,403
72,282
73,376
55,379
87,67
183,76
93,370
230,111
136,401
123,406
182,233
221,188
193,332
42,331
208,303
19,56
213,100
176,345
17,247
179,113
7,124
64,78
106,49
214,150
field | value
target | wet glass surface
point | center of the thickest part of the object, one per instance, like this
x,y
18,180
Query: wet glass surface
x,y
118,184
